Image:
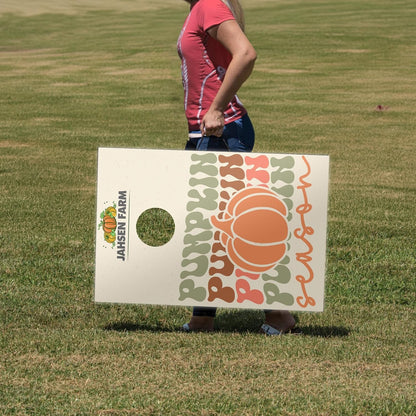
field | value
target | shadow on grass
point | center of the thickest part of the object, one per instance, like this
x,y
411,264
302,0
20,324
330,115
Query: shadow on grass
x,y
250,321
136,327
230,321
325,331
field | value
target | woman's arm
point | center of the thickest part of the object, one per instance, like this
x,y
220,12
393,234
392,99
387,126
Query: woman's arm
x,y
243,55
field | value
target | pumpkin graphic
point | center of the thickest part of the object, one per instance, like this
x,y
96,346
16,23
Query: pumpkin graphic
x,y
111,211
254,229
110,237
109,223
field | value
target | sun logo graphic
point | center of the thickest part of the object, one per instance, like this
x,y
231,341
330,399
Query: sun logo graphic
x,y
254,229
108,224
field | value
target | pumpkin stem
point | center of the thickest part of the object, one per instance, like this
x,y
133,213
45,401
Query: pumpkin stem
x,y
223,225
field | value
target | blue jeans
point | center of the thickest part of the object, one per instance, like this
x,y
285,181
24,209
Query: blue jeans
x,y
237,136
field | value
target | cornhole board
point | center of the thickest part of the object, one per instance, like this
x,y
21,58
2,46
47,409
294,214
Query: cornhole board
x,y
249,229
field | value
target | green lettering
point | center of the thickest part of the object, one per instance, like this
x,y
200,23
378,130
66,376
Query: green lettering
x,y
196,220
208,201
193,246
273,295
187,290
200,263
205,165
283,274
209,182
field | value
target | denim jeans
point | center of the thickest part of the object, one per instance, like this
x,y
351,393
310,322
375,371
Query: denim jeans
x,y
237,136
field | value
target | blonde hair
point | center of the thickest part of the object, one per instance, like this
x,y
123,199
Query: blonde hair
x,y
237,11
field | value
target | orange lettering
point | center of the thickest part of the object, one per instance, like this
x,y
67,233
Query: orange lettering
x,y
241,273
261,161
246,293
302,233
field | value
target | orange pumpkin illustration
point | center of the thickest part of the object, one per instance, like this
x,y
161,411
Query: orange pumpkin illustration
x,y
254,229
109,223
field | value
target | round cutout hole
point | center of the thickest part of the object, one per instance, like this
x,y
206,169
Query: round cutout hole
x,y
155,227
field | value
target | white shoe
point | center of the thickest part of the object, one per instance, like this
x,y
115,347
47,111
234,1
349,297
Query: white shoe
x,y
269,330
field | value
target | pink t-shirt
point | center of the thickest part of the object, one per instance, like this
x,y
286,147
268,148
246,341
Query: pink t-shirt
x,y
204,62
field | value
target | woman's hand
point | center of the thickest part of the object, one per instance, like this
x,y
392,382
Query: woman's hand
x,y
213,123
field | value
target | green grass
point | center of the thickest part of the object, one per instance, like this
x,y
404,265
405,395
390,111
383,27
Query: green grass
x,y
73,78
155,227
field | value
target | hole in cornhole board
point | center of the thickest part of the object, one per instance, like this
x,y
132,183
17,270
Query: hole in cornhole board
x,y
155,227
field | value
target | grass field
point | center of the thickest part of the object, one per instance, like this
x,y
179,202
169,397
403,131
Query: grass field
x,y
333,77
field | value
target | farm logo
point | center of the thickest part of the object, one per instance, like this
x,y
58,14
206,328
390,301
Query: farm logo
x,y
109,224
242,253
113,222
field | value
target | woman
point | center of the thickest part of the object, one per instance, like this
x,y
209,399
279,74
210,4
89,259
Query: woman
x,y
216,59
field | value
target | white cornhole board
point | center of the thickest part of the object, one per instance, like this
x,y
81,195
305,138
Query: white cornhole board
x,y
250,229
